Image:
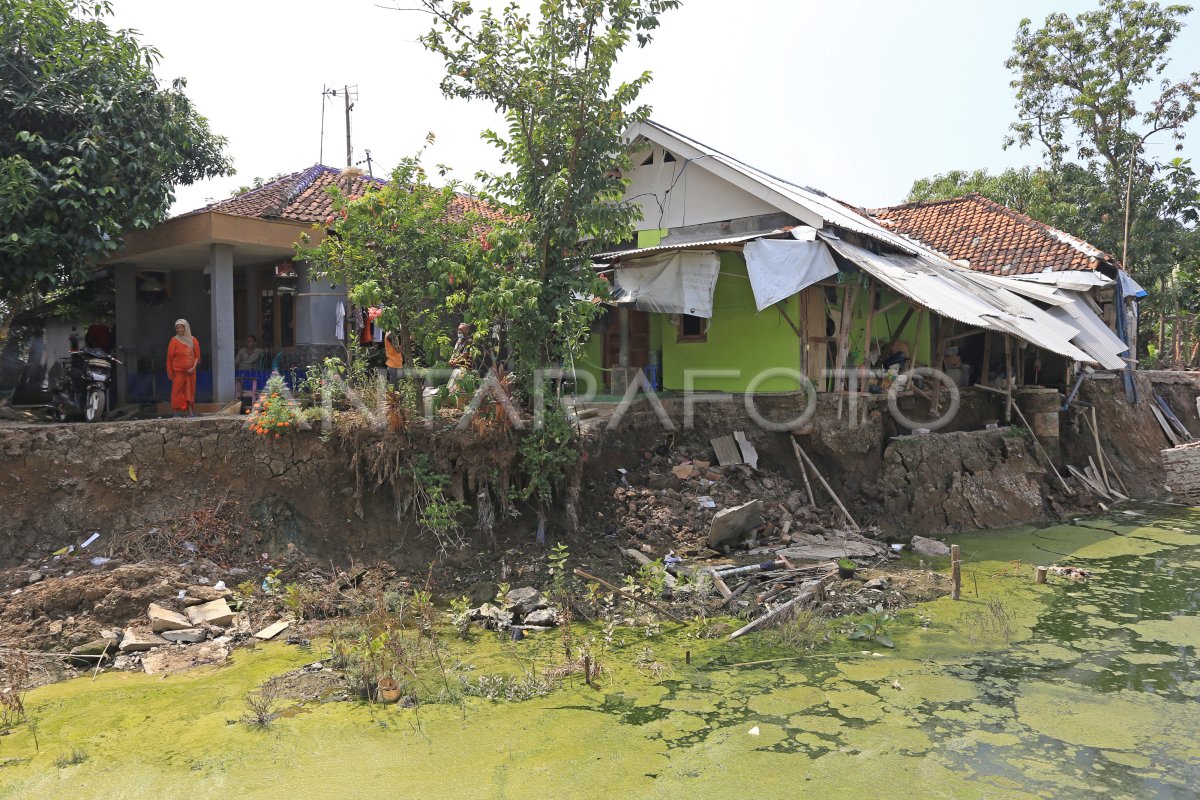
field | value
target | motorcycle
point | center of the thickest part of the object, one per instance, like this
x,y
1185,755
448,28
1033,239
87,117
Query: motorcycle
x,y
82,387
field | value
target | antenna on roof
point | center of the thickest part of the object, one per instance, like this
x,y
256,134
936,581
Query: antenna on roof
x,y
349,94
367,161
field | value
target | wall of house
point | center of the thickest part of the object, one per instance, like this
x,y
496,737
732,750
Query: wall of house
x,y
689,194
316,309
739,338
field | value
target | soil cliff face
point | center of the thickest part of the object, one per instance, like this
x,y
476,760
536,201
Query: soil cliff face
x,y
58,483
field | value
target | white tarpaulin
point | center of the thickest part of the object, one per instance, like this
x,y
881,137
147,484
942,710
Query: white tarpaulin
x,y
674,283
779,268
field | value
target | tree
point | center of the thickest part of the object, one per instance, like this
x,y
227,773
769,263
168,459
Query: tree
x,y
90,144
399,247
1086,78
563,150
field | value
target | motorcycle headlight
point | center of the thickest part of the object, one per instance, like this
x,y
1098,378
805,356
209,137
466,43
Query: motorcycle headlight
x,y
96,375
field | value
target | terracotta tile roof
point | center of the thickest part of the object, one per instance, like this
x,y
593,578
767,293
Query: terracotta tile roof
x,y
991,237
301,197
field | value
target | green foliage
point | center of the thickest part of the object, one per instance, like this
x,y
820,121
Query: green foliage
x,y
1091,90
436,513
404,247
299,599
845,563
91,145
560,573
803,630
77,756
274,411
653,578
460,614
871,627
562,151
546,453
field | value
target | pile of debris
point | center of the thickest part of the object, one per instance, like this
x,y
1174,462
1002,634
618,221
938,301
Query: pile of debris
x,y
524,610
692,507
163,642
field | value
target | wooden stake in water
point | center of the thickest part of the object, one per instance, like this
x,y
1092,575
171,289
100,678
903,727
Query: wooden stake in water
x,y
955,572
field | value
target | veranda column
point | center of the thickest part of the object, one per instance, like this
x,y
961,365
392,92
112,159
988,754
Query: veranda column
x,y
222,347
125,308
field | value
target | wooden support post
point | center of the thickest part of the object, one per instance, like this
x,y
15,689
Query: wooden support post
x,y
1008,379
1039,575
843,342
987,357
916,346
812,500
935,402
1113,467
955,572
864,380
821,478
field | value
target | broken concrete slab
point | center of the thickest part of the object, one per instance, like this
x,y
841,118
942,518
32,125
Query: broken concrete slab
x,y
216,612
684,471
139,641
273,630
164,619
929,547
195,595
186,635
730,523
87,655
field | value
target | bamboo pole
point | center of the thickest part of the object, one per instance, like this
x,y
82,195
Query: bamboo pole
x,y
1099,452
955,572
813,594
812,500
821,478
866,359
1112,466
1042,450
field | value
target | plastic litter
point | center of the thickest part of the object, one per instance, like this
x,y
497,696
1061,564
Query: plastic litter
x,y
99,561
90,539
191,548
706,502
219,586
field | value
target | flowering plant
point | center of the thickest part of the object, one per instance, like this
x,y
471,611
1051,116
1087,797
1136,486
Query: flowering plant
x,y
273,411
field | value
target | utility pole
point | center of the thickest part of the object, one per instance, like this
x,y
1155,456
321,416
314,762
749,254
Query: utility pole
x,y
349,94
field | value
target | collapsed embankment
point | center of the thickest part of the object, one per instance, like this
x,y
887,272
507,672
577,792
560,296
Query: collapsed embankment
x,y
58,483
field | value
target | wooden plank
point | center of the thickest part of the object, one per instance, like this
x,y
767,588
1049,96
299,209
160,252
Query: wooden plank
x,y
1112,468
987,357
1099,453
1178,426
1162,421
899,329
1008,379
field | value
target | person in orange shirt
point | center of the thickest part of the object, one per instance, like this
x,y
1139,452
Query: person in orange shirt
x,y
392,348
183,357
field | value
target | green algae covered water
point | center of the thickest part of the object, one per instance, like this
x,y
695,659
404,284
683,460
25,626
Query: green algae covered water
x,y
1067,690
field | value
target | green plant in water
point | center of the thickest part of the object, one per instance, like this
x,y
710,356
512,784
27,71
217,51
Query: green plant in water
x,y
460,615
653,578
871,625
560,575
76,756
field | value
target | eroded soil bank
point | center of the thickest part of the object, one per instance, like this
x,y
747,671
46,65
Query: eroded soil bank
x,y
1064,690
59,483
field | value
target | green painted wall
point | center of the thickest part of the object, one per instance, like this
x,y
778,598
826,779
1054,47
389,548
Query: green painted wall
x,y
739,338
651,238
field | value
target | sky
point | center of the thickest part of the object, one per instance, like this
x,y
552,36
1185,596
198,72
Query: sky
x,y
858,98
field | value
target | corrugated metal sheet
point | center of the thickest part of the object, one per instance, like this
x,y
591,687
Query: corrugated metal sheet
x,y
708,244
1105,347
954,293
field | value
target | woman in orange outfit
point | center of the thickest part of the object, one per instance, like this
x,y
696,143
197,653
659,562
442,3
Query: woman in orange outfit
x,y
183,357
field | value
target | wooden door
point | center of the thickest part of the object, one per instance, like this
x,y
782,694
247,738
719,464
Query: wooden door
x,y
639,339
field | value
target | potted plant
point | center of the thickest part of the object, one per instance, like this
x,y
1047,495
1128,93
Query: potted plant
x,y
846,568
388,690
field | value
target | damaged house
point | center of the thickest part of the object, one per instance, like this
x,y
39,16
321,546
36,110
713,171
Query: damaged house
x,y
745,282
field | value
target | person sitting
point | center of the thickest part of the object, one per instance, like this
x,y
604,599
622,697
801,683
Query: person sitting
x,y
248,357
